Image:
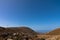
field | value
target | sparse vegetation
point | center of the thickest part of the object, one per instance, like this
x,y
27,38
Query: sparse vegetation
x,y
26,34
42,39
22,33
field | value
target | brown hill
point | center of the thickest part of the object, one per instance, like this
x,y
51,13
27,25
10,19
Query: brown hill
x,y
19,33
54,32
2,29
17,30
21,29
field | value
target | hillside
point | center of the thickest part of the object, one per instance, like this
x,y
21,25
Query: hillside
x,y
54,32
20,33
17,29
21,29
2,29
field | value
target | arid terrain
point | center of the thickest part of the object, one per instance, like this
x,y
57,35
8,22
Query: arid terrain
x,y
17,33
25,33
49,37
52,35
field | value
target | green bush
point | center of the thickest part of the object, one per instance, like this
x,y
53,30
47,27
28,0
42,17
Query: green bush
x,y
42,39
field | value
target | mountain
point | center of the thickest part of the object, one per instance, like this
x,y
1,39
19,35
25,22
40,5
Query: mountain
x,y
17,30
54,32
20,33
21,29
43,31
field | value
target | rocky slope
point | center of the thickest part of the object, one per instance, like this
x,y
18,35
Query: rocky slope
x,y
18,33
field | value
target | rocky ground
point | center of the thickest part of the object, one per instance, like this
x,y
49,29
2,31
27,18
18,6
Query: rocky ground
x,y
20,33
17,36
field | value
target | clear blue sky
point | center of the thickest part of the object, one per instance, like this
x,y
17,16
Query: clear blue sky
x,y
36,14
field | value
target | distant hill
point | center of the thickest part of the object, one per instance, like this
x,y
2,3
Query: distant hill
x,y
43,31
54,32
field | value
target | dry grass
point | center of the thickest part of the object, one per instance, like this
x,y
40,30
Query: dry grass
x,y
50,37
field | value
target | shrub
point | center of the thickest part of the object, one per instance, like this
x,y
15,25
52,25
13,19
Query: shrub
x,y
42,39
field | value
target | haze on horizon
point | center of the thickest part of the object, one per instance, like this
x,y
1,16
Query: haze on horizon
x,y
36,14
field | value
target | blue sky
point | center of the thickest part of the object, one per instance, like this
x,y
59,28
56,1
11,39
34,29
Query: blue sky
x,y
36,14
